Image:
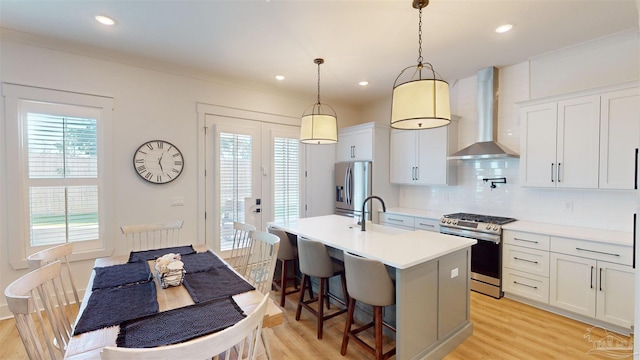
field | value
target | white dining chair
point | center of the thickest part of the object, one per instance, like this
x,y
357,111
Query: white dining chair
x,y
241,246
37,304
152,236
240,341
262,260
60,252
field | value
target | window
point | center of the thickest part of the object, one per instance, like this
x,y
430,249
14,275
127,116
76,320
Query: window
x,y
235,182
286,179
57,162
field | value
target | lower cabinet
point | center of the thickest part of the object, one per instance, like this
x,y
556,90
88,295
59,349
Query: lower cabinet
x,y
592,288
588,278
408,222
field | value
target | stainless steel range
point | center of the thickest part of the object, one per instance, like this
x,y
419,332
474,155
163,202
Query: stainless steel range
x,y
486,255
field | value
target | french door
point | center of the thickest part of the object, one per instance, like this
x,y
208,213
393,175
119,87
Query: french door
x,y
253,175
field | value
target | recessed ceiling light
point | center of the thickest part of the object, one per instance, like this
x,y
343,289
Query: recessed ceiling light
x,y
105,20
504,28
363,83
279,77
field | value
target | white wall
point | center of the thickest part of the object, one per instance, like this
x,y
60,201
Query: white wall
x,y
579,67
149,104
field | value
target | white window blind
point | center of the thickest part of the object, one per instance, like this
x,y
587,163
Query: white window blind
x,y
62,167
286,179
235,182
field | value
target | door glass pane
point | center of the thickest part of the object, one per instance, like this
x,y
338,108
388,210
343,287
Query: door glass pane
x,y
286,179
235,183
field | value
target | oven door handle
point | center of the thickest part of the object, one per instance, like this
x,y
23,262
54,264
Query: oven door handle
x,y
477,235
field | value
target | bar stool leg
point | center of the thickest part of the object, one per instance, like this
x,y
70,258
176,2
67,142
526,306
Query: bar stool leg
x,y
305,279
377,318
321,295
283,282
347,328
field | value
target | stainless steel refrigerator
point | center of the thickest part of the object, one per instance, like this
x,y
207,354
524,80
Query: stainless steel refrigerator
x,y
352,186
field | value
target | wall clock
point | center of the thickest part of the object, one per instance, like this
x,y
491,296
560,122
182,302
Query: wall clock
x,y
158,161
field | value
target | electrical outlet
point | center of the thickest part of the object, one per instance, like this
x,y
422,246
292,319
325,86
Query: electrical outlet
x,y
568,206
454,273
177,201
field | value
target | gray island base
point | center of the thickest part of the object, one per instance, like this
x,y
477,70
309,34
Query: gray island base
x,y
431,277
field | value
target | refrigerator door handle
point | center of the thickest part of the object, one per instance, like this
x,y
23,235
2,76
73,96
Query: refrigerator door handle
x,y
346,186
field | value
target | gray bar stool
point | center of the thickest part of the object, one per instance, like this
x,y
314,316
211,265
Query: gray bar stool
x,y
315,261
369,282
287,256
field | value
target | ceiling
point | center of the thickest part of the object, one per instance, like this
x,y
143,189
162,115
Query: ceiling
x,y
252,41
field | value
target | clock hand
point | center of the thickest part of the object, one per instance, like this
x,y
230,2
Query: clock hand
x,y
160,162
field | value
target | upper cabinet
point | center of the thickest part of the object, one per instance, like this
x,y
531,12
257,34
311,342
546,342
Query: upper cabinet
x,y
419,157
355,144
619,139
581,142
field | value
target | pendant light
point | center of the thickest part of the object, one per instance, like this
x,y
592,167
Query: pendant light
x,y
319,122
420,100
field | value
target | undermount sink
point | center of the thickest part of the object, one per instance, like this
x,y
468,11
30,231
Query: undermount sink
x,y
371,227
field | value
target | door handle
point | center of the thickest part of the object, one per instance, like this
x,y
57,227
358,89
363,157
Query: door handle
x,y
552,172
417,173
600,279
591,280
559,172
635,176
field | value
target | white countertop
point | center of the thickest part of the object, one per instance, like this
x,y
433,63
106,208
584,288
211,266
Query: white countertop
x,y
398,248
575,232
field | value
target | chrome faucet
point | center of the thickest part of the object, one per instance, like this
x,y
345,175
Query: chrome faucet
x,y
364,220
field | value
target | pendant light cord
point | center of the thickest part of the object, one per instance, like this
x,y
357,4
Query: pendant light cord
x,y
419,39
319,83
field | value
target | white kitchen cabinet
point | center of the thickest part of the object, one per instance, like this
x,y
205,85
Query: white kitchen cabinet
x,y
419,157
560,143
408,222
593,288
525,261
397,221
573,284
619,140
355,144
427,224
586,139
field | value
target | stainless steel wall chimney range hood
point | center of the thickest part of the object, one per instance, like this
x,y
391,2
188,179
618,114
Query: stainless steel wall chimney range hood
x,y
487,147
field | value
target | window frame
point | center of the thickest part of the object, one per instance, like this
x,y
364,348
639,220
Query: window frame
x,y
16,99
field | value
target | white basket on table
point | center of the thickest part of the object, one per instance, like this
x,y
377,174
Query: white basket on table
x,y
170,270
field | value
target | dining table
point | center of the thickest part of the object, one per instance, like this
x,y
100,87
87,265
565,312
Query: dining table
x,y
89,343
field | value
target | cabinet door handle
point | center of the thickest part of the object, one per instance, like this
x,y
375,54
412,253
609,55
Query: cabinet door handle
x,y
600,279
417,173
530,241
597,252
527,260
559,171
429,225
527,285
635,176
392,219
551,172
591,280
353,151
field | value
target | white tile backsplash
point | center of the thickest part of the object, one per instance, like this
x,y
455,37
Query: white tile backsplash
x,y
601,209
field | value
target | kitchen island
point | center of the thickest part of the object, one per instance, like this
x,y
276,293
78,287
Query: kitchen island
x,y
431,275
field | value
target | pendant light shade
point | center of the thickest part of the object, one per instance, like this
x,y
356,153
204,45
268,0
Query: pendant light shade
x,y
420,100
319,124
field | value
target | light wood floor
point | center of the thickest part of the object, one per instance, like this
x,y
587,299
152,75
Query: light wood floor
x,y
503,329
